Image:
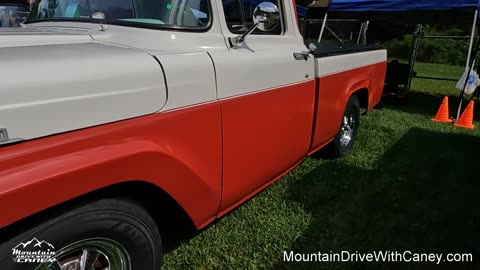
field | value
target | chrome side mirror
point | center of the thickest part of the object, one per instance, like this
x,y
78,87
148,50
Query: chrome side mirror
x,y
266,16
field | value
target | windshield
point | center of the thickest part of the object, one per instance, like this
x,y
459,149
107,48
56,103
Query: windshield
x,y
183,13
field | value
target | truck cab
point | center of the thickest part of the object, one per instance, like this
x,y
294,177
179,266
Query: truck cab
x,y
141,106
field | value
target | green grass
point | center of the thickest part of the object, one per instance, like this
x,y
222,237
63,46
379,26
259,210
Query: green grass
x,y
439,71
409,184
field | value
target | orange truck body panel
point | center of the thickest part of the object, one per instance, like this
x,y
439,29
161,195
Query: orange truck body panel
x,y
334,92
178,151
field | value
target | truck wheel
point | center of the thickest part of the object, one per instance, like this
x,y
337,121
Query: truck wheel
x,y
108,234
345,138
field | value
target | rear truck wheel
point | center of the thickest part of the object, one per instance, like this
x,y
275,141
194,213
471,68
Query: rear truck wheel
x,y
345,138
109,234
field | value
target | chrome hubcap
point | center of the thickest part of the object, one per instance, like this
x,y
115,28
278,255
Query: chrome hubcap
x,y
346,132
90,254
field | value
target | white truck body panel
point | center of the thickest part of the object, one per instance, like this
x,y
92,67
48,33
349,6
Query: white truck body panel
x,y
113,70
200,86
32,36
264,62
325,66
68,86
260,67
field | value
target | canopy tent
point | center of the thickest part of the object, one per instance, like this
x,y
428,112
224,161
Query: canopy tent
x,y
417,11
399,5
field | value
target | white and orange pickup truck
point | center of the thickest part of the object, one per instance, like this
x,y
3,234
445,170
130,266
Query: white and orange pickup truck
x,y
118,117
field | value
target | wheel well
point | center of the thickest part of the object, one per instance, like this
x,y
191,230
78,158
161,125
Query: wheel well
x,y
362,95
160,205
170,217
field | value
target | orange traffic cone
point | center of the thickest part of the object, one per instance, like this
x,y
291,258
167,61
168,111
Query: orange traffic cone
x,y
442,115
466,120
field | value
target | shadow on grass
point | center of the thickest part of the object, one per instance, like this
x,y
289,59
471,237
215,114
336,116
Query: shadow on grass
x,y
422,103
423,196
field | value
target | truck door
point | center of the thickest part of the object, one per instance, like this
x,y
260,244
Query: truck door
x,y
267,99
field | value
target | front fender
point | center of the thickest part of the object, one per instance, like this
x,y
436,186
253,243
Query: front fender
x,y
179,151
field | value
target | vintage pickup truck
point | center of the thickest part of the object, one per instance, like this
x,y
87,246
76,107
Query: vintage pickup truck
x,y
120,117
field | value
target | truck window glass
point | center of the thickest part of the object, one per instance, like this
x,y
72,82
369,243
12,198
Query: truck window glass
x,y
162,13
239,13
12,15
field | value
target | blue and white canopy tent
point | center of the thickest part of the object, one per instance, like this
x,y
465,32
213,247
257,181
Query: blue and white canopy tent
x,y
412,11
455,9
417,11
400,5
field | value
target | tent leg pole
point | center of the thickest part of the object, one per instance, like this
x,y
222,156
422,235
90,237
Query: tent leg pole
x,y
360,33
469,66
468,70
415,46
472,36
364,33
323,27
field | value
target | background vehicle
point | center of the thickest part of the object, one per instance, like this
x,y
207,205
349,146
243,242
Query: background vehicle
x,y
131,114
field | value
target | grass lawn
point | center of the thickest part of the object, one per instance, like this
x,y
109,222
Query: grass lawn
x,y
436,70
409,184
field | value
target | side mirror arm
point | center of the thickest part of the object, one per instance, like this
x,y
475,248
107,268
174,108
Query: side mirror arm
x,y
236,41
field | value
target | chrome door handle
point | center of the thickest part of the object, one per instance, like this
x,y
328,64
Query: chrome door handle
x,y
301,55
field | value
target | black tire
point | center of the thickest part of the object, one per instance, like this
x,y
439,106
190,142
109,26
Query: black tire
x,y
338,147
124,223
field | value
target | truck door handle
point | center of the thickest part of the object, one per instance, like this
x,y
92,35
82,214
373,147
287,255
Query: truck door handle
x,y
301,55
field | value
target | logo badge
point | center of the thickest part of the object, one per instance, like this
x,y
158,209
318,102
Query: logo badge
x,y
34,251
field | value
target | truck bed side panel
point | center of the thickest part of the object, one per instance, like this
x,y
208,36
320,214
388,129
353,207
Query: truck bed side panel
x,y
338,77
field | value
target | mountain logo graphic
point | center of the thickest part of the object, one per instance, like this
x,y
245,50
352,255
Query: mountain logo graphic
x,y
34,251
34,243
